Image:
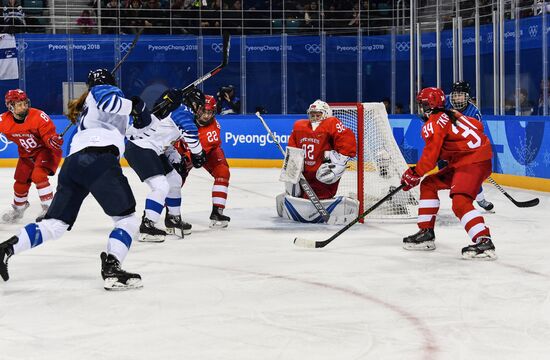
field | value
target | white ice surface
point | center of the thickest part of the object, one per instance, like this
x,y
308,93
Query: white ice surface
x,y
247,293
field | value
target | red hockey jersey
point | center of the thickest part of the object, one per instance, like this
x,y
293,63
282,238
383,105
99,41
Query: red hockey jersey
x,y
32,135
209,136
460,144
331,134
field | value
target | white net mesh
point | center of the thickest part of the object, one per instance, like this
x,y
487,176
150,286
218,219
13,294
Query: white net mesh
x,y
382,165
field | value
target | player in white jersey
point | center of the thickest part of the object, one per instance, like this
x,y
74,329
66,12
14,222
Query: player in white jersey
x,y
145,154
93,167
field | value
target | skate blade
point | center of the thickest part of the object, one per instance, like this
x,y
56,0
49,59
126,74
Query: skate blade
x,y
487,255
172,231
112,284
425,246
214,224
151,238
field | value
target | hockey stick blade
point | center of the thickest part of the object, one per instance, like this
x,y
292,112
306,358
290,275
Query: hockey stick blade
x,y
312,244
521,204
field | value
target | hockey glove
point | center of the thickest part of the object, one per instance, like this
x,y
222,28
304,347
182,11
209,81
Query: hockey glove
x,y
410,178
55,142
198,159
142,116
169,101
333,168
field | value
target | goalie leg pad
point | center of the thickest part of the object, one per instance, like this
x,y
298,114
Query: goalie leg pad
x,y
341,209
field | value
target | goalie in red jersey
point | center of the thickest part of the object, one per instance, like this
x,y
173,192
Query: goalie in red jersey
x,y
216,164
39,148
322,146
460,141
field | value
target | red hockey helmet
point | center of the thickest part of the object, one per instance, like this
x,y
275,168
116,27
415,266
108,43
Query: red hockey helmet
x,y
429,99
209,102
206,113
14,96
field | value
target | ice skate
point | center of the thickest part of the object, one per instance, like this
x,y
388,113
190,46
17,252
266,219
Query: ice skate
x,y
116,278
148,232
482,250
218,219
486,205
15,213
6,251
424,240
42,214
176,226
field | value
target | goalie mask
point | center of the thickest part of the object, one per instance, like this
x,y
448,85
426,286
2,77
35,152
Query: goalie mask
x,y
429,100
460,95
205,115
18,103
318,111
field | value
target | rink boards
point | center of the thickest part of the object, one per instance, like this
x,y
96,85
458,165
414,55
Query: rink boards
x,y
521,145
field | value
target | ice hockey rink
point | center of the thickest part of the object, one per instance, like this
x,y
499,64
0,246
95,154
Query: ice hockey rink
x,y
247,293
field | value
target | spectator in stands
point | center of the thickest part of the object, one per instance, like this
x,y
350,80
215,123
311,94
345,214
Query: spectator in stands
x,y
86,22
132,17
526,107
154,18
228,103
398,108
110,17
538,7
14,17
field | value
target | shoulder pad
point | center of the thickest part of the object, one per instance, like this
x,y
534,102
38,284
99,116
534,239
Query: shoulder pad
x,y
99,92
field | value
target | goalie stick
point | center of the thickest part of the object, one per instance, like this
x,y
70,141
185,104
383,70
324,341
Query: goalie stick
x,y
307,243
521,204
117,65
303,182
208,75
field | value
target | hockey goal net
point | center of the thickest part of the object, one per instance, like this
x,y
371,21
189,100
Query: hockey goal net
x,y
379,164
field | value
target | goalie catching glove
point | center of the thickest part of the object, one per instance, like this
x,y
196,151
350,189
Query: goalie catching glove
x,y
332,169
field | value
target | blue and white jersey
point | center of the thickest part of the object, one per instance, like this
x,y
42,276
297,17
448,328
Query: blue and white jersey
x,y
104,119
470,110
157,136
184,119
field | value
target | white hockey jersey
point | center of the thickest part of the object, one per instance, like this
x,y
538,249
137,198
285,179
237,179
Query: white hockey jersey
x,y
161,134
104,119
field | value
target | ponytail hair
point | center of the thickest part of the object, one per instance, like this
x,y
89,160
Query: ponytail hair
x,y
75,107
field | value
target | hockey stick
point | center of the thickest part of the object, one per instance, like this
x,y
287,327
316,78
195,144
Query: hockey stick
x,y
208,75
320,244
521,204
303,182
117,65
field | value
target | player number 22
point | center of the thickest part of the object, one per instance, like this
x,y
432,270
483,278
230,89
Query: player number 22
x,y
212,136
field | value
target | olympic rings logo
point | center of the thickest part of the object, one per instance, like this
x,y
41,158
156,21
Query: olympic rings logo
x,y
403,46
313,48
124,47
490,37
22,45
533,30
4,142
449,43
217,47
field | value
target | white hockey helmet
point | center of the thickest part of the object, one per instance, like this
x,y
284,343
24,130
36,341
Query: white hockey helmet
x,y
319,106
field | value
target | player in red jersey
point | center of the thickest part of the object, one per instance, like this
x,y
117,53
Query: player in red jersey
x,y
327,147
216,164
458,139
39,148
